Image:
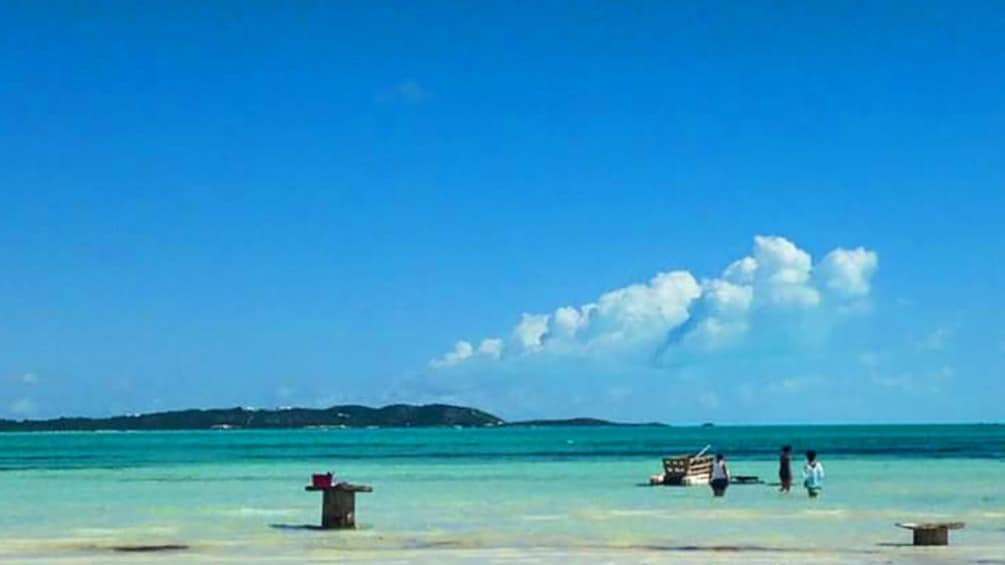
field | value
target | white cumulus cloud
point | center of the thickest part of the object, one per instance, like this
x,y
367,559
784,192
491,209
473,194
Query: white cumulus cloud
x,y
491,347
741,271
782,276
529,333
848,271
568,320
673,310
463,350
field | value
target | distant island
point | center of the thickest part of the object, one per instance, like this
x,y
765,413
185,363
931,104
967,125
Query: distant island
x,y
585,422
349,416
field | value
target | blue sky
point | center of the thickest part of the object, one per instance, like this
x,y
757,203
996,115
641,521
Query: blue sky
x,y
304,204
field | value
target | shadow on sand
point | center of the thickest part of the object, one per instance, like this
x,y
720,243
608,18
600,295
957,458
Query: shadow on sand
x,y
302,527
149,548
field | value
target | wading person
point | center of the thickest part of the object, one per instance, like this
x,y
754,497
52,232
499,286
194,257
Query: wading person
x,y
785,469
813,475
720,476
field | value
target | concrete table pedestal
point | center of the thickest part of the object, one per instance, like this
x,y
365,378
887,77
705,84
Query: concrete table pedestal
x,y
338,505
936,533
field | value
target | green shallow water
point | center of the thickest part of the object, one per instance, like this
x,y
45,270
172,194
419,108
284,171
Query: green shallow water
x,y
240,493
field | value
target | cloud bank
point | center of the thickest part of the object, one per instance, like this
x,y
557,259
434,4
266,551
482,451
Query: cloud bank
x,y
675,315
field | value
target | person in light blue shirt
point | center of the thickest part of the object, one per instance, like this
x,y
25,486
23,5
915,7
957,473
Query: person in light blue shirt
x,y
813,474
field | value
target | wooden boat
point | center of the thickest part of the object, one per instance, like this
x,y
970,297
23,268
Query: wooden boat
x,y
685,470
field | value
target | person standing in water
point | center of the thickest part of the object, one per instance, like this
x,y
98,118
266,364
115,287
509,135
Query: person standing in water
x,y
720,476
785,469
813,474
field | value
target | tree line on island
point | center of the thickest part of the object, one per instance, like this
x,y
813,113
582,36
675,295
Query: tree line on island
x,y
348,416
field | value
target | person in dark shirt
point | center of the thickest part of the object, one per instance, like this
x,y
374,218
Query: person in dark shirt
x,y
785,469
720,476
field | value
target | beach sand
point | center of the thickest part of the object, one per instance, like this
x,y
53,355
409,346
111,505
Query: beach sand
x,y
893,555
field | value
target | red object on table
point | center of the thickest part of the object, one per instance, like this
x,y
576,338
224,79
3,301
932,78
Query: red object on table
x,y
321,481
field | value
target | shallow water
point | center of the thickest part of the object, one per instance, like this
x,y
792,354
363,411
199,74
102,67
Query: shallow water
x,y
505,494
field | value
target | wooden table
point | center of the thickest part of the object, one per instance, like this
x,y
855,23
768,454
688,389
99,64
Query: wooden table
x,y
931,533
338,504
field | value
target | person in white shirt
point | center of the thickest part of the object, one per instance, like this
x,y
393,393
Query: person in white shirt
x,y
720,476
813,474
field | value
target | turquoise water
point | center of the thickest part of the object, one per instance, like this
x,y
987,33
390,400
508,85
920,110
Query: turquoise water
x,y
520,491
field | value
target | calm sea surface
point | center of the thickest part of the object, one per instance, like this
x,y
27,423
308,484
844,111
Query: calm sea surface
x,y
510,493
